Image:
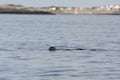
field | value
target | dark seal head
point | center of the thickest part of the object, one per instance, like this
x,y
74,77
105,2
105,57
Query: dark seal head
x,y
52,48
79,49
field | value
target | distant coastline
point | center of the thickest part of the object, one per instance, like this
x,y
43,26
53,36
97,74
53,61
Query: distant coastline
x,y
20,9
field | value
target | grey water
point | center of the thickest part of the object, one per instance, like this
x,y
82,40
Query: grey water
x,y
25,39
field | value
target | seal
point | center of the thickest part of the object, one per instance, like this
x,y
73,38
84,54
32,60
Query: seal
x,y
52,48
80,49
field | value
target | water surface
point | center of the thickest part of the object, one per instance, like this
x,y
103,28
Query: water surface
x,y
25,39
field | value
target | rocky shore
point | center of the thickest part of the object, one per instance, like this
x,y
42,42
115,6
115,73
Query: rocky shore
x,y
19,9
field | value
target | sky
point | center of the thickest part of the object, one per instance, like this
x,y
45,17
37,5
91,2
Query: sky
x,y
67,3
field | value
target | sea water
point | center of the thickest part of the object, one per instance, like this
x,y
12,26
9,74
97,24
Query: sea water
x,y
25,39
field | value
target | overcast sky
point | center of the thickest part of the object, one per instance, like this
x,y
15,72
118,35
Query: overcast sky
x,y
69,3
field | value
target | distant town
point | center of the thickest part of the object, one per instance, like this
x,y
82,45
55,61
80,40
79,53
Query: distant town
x,y
100,10
112,9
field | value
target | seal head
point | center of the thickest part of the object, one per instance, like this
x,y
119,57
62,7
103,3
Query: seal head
x,y
52,48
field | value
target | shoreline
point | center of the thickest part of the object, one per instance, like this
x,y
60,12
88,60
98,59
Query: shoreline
x,y
53,10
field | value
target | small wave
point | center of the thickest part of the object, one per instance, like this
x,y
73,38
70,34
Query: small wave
x,y
5,49
51,75
57,72
63,70
103,50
